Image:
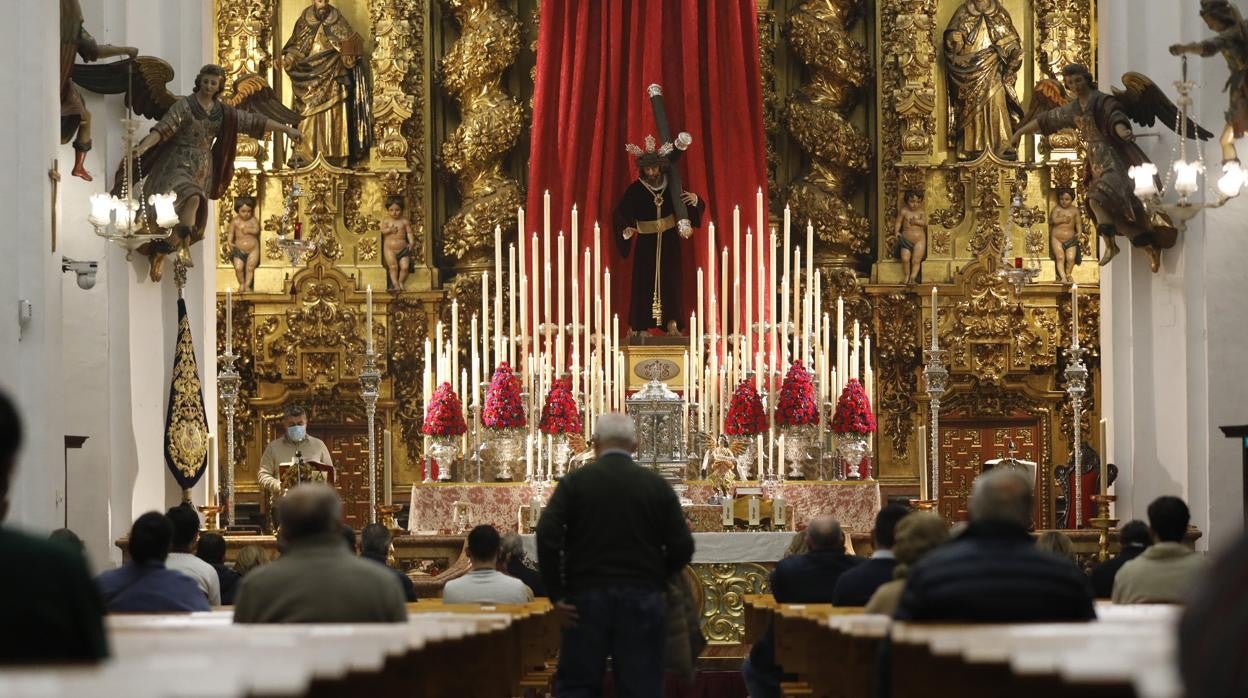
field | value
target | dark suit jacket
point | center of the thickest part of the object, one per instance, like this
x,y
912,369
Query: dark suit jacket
x,y
856,586
409,589
531,577
150,588
808,578
994,573
229,583
1103,574
51,612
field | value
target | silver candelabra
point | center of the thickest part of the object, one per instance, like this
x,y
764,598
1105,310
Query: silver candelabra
x,y
936,377
370,382
228,383
1076,385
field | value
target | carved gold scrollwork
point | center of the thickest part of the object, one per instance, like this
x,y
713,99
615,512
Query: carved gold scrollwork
x,y
909,44
1065,34
772,105
724,588
409,328
840,155
393,59
898,355
490,124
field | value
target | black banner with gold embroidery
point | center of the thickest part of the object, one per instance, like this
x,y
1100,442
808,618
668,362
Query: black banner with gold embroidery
x,y
186,423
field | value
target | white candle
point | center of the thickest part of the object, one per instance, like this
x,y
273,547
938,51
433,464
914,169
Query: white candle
x,y
724,300
368,331
513,283
934,310
229,321
536,293
854,362
797,302
1074,315
810,251
759,214
923,463
749,290
771,303
476,371
840,345
599,321
588,349
498,293
210,472
559,353
736,268
1104,456
455,345
546,224
485,320
387,465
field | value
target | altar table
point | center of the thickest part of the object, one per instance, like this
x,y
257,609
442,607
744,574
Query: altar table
x,y
853,503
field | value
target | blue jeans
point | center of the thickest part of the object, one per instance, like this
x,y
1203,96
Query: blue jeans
x,y
625,623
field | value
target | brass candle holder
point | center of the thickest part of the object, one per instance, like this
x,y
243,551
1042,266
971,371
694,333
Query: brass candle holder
x,y
1103,523
210,513
923,504
386,512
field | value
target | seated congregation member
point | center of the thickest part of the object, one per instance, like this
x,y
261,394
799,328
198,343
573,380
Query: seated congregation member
x,y
917,534
375,546
515,564
807,578
608,541
144,584
1059,544
249,558
185,522
484,583
211,549
317,580
1167,570
856,585
49,609
1212,653
1133,538
993,572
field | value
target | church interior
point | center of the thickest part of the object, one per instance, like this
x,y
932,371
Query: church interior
x,y
849,268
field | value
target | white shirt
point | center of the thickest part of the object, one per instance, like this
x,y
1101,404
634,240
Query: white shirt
x,y
283,451
202,572
486,586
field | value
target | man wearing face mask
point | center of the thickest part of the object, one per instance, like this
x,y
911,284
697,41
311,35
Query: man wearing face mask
x,y
283,451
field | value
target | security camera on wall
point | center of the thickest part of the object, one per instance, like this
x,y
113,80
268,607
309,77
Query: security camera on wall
x,y
84,269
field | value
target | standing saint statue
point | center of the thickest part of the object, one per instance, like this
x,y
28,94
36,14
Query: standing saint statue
x,y
324,59
75,119
647,212
983,55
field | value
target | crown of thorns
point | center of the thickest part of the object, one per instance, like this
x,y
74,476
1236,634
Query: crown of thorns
x,y
651,156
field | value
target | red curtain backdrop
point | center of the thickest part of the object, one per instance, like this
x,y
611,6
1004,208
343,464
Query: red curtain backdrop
x,y
595,59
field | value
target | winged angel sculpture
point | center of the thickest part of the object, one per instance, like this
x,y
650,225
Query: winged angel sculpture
x,y
190,150
1232,42
1103,121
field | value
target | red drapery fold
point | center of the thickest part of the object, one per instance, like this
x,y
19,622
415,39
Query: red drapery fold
x,y
595,59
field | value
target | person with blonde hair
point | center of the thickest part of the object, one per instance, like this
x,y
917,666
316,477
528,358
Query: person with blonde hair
x,y
1059,544
249,558
917,533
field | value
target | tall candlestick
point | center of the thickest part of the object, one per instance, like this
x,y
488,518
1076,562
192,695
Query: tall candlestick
x,y
923,462
229,322
1104,456
368,294
1074,315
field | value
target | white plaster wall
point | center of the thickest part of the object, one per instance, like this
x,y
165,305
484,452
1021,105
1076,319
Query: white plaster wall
x,y
1174,368
29,367
119,336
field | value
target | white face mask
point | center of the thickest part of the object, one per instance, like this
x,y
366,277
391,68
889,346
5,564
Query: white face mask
x,y
296,432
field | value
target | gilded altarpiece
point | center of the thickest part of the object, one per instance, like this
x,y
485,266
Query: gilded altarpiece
x,y
983,211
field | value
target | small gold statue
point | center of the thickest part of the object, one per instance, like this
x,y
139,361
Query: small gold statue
x,y
398,242
719,463
1065,234
1232,42
245,241
911,231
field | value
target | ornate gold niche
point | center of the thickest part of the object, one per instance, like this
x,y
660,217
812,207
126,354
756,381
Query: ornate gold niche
x,y
1003,346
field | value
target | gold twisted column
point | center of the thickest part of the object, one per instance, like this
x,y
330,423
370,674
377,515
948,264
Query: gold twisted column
x,y
490,124
818,119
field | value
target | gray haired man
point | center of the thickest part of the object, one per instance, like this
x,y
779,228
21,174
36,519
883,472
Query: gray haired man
x,y
295,441
607,542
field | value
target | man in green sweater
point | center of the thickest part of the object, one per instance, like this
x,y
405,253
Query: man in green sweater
x,y
49,608
609,539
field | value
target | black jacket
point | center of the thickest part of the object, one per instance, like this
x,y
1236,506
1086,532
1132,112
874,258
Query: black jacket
x,y
611,523
808,578
229,580
409,589
531,577
1104,573
994,573
856,586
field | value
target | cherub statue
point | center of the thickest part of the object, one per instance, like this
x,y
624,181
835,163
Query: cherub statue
x,y
398,243
911,231
1104,123
1065,233
245,241
190,151
719,464
1232,42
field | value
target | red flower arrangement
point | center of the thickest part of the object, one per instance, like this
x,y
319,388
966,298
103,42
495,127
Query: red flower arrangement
x,y
797,405
445,414
503,406
746,416
559,414
853,411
